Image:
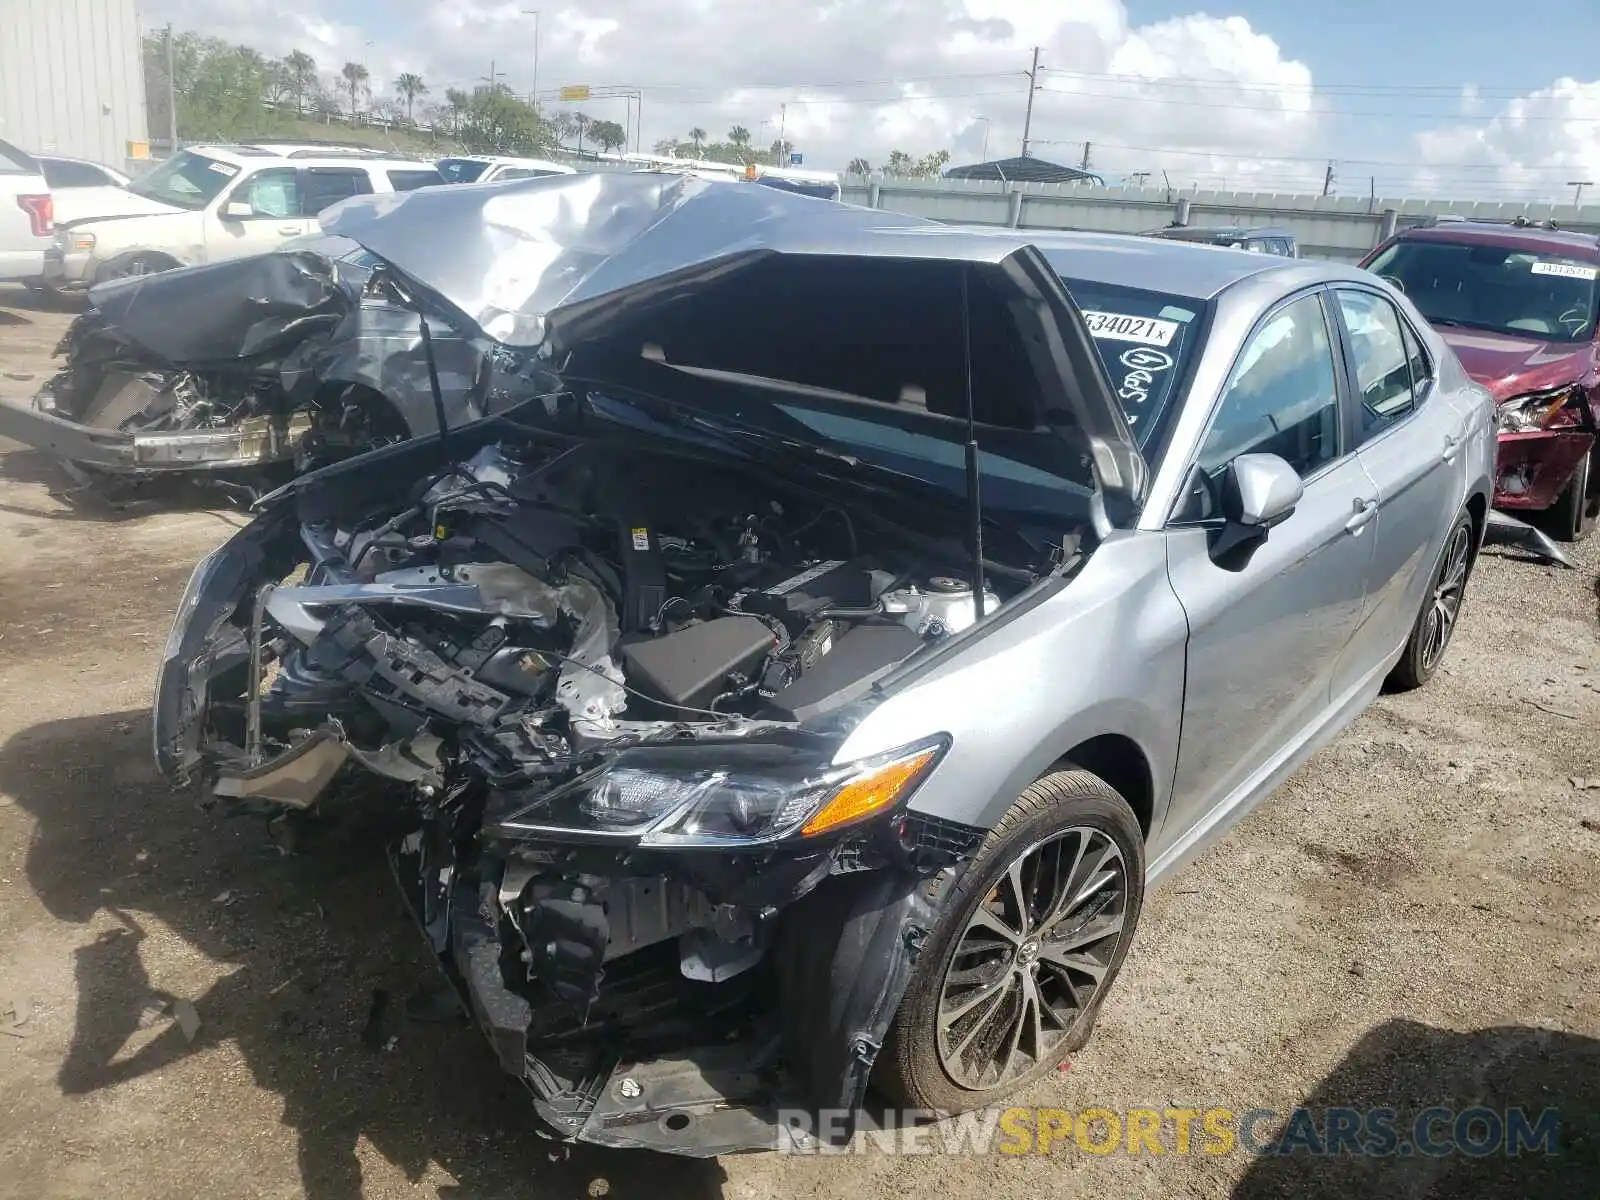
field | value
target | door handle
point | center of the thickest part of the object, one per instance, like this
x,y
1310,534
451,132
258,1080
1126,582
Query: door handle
x,y
288,230
1365,510
1451,445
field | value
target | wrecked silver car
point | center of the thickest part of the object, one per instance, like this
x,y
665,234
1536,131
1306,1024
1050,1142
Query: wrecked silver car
x,y
243,373
802,691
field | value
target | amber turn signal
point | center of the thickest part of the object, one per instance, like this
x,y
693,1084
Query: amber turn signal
x,y
872,792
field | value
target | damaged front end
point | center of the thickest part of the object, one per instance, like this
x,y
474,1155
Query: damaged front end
x,y
615,709
239,375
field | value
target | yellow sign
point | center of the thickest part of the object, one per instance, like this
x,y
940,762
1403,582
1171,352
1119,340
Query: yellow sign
x,y
138,149
575,91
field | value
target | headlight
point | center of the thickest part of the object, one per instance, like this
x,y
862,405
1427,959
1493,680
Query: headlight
x,y
726,795
1526,414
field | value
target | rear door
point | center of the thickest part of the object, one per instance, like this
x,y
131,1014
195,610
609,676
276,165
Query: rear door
x,y
1266,635
1411,447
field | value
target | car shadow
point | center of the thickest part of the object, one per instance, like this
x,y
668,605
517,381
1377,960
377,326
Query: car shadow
x,y
319,958
19,299
110,501
1411,1067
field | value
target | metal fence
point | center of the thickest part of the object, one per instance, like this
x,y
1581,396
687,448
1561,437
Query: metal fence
x,y
1336,227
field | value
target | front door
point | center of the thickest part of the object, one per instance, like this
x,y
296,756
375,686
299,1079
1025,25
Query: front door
x,y
276,215
1265,636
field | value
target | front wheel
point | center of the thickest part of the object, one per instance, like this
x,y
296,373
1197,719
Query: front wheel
x,y
1012,978
1441,608
1573,514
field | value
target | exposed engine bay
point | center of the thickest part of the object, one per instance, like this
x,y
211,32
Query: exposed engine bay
x,y
594,684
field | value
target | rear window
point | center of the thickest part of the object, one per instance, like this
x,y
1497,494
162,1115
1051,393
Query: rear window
x,y
461,170
405,181
16,162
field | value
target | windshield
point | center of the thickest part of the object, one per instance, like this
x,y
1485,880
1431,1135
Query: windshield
x,y
461,170
186,180
1520,292
1146,340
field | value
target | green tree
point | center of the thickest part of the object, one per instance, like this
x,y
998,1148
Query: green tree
x,y
900,165
280,83
858,166
739,136
697,138
408,87
355,77
931,165
608,134
303,82
498,122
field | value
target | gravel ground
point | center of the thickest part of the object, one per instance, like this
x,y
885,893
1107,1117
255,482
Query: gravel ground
x,y
1411,920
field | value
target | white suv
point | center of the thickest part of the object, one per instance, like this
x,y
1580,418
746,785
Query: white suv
x,y
26,214
210,203
497,168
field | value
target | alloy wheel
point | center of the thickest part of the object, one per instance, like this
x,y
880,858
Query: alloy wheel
x,y
1445,606
1032,958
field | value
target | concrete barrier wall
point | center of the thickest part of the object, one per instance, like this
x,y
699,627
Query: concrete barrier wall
x,y
1337,227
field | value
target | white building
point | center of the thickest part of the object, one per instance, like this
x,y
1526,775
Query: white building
x,y
72,79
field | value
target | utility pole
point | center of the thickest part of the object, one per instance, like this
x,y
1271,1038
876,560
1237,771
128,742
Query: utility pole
x,y
1085,165
1327,180
783,147
1033,86
1577,186
172,99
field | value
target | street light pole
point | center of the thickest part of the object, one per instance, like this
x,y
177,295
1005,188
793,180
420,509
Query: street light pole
x,y
987,125
534,13
1578,185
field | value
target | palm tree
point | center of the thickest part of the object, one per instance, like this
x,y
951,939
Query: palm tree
x,y
356,76
302,69
858,166
409,87
739,136
698,137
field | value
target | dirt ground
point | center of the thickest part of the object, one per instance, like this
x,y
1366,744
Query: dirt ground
x,y
1413,919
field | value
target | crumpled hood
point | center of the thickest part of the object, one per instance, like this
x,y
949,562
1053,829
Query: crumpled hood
x,y
554,262
1514,366
73,206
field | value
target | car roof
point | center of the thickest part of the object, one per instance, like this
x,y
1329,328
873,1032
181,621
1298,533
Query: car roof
x,y
1200,232
1511,237
304,156
1196,271
502,160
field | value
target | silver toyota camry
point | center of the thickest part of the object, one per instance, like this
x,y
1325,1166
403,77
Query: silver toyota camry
x,y
846,620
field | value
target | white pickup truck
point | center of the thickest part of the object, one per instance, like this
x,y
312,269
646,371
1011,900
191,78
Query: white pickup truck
x,y
211,203
26,216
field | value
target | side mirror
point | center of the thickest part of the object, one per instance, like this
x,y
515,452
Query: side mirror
x,y
237,210
1260,491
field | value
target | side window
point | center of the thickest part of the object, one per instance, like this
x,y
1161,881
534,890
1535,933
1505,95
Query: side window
x,y
1286,248
1283,395
1379,354
60,174
271,193
1421,366
323,187
406,181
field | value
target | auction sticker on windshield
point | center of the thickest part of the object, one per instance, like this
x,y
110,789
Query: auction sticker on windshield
x,y
1564,270
1122,327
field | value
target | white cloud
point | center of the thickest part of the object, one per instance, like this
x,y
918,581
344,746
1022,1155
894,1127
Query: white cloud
x,y
713,64
1530,148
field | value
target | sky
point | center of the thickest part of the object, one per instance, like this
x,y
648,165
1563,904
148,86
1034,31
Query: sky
x,y
1457,98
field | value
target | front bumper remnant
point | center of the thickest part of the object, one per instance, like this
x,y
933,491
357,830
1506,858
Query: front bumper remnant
x,y
1507,530
251,443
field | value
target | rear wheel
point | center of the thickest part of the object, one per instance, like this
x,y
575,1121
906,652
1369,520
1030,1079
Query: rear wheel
x,y
1441,607
1012,978
1573,515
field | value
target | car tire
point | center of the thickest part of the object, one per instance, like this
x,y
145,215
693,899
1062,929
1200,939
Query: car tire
x,y
1441,610
1028,997
1573,514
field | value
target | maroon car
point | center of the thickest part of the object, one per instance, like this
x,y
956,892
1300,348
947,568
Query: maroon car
x,y
1518,304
